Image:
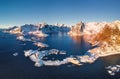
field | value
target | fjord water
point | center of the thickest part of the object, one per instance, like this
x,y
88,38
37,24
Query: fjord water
x,y
19,67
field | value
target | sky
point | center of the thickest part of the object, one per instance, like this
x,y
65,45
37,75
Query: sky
x,y
20,12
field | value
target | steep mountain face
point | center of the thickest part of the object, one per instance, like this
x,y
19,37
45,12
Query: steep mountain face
x,y
92,28
28,28
89,28
108,40
54,29
45,28
104,35
77,30
14,30
11,28
110,34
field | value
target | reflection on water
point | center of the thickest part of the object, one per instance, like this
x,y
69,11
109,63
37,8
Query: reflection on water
x,y
81,43
77,39
72,45
20,67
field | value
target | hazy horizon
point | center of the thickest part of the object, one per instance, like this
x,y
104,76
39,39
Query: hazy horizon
x,y
19,12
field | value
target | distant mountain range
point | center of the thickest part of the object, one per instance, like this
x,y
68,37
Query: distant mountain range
x,y
76,30
45,28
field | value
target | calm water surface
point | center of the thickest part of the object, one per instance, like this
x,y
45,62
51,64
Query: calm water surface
x,y
19,67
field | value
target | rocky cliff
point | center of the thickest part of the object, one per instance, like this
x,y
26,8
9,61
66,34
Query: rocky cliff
x,y
77,30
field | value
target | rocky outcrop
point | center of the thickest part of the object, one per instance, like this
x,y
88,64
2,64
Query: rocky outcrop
x,y
29,28
77,30
108,41
14,30
54,28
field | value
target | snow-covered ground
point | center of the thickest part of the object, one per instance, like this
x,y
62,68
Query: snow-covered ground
x,y
112,70
91,29
22,38
15,54
40,44
37,57
38,34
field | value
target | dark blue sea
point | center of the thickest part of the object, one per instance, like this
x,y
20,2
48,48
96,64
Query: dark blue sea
x,y
20,67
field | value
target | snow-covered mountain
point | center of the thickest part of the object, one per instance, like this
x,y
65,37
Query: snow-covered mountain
x,y
38,28
45,28
91,28
77,30
14,30
104,36
29,28
54,28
